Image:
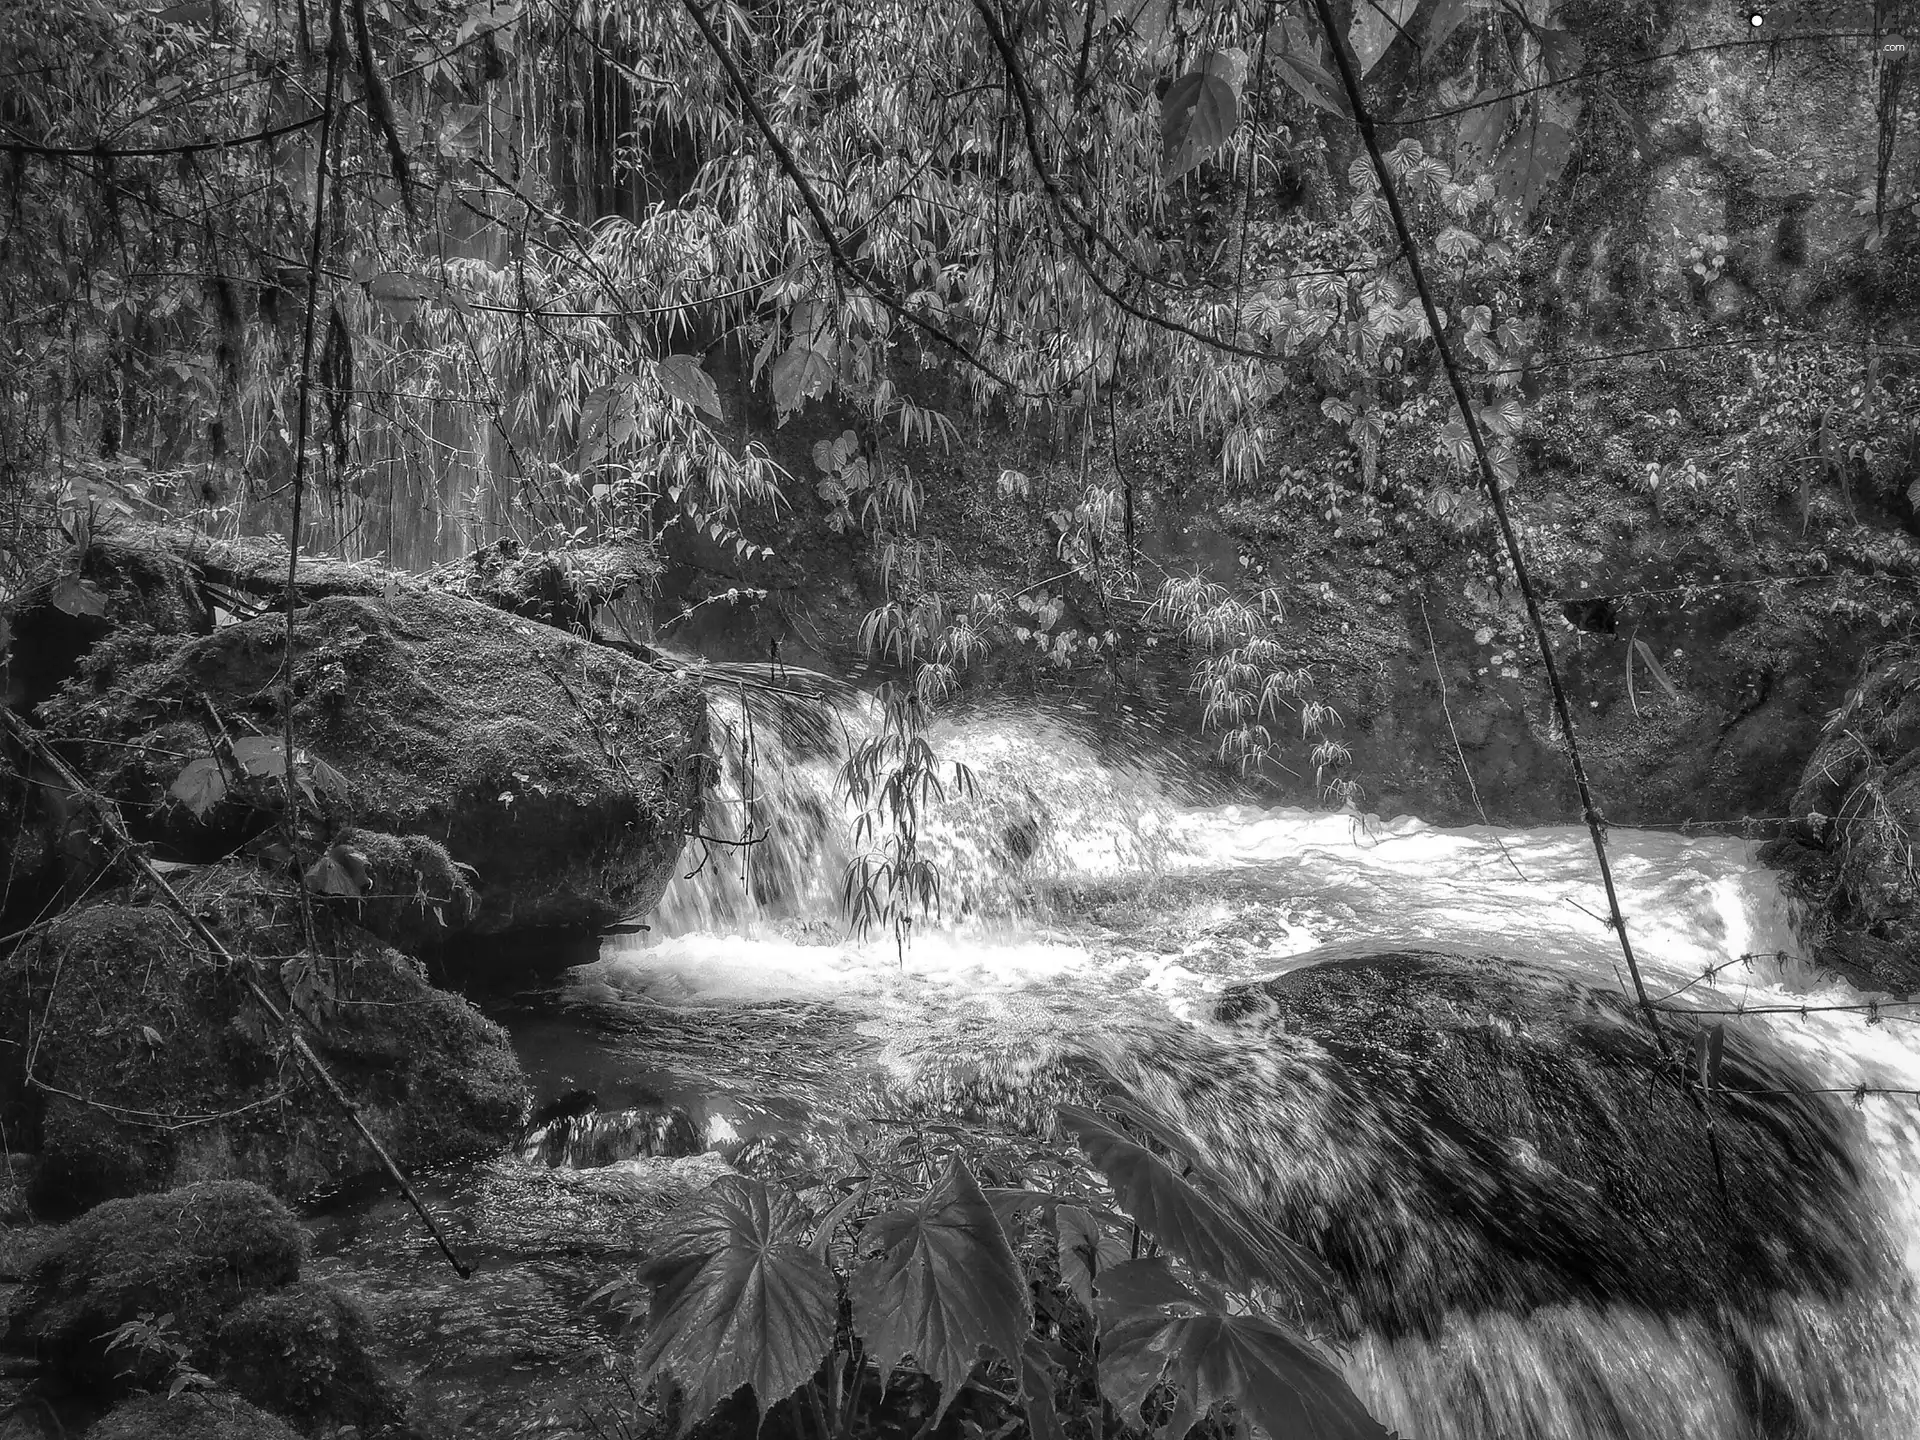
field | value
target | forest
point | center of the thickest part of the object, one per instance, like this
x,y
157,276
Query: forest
x,y
991,720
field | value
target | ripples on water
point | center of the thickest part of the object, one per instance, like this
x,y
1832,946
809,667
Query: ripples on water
x,y
1099,915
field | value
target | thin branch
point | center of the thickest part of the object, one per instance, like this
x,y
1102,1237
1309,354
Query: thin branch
x,y
192,147
1590,811
28,737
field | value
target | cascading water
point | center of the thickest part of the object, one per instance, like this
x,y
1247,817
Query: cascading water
x,y
1539,1243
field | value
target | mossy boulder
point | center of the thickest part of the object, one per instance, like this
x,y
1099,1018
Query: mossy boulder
x,y
563,773
120,580
188,1256
1849,853
190,1416
153,1065
305,1352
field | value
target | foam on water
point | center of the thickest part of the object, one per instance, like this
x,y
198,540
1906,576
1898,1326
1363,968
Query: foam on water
x,y
1096,909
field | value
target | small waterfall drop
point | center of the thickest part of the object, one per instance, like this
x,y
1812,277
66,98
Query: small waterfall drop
x,y
778,824
1105,924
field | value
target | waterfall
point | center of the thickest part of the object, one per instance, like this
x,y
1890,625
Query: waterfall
x,y
1409,1044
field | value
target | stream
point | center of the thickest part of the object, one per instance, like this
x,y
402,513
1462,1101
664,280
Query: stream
x,y
1103,916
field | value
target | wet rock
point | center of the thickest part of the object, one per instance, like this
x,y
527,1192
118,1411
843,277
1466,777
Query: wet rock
x,y
154,1066
187,1255
305,1351
190,1416
1849,853
592,1138
1468,1141
562,773
615,1208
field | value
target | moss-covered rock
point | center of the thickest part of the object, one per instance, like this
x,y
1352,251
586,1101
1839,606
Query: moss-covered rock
x,y
562,772
408,890
154,1066
190,1416
304,1352
181,1259
123,579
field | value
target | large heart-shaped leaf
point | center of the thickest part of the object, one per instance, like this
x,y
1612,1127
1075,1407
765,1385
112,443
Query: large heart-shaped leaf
x,y
1280,1382
1376,25
1201,109
260,755
1087,1250
200,786
1141,1287
682,378
942,1283
737,1298
802,373
74,596
1215,1234
1531,164
1481,129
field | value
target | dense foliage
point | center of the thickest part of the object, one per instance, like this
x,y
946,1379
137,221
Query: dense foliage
x,y
1122,1286
566,269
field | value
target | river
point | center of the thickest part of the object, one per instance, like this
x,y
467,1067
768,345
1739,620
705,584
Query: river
x,y
1102,913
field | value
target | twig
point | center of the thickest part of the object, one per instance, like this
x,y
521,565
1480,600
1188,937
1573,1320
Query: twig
x,y
28,737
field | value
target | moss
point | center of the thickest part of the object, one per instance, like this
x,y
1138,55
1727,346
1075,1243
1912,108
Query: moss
x,y
211,1416
144,586
154,1066
190,1253
413,891
304,1351
563,773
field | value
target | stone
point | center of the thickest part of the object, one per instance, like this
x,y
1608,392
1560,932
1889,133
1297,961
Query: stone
x,y
564,774
305,1352
154,1066
180,1259
190,1416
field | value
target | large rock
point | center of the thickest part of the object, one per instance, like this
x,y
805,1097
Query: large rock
x,y
152,1065
563,773
1486,1155
305,1351
197,1286
130,579
190,1416
190,1255
1850,851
